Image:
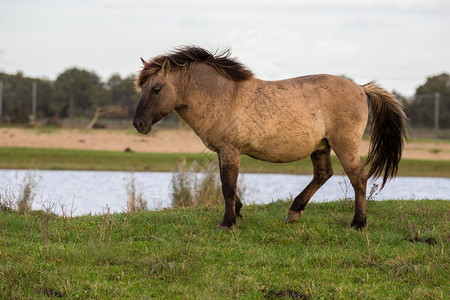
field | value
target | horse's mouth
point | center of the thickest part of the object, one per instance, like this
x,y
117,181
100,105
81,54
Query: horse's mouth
x,y
144,131
141,127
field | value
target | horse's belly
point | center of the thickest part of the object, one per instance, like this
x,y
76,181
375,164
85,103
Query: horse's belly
x,y
276,149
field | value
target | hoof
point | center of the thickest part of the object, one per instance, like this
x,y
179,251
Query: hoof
x,y
227,222
222,228
358,224
292,216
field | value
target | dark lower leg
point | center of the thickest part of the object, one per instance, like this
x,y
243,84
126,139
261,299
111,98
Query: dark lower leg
x,y
237,206
359,220
323,170
229,172
358,178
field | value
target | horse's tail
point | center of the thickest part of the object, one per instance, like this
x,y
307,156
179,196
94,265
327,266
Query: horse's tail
x,y
388,132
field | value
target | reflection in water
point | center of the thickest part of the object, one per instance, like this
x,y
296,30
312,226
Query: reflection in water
x,y
91,192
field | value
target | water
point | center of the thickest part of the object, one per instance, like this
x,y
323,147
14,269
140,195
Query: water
x,y
91,192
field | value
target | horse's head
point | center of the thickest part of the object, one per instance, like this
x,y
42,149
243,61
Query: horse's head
x,y
158,100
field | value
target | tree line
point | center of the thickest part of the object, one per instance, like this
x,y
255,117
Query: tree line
x,y
75,93
80,93
421,108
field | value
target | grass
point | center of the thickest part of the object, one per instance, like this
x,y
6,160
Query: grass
x,y
63,159
178,253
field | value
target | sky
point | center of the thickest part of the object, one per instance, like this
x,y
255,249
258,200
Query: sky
x,y
399,43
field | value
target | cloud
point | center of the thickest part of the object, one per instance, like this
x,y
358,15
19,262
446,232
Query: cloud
x,y
364,39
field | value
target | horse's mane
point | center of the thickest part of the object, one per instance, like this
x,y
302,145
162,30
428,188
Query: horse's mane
x,y
182,57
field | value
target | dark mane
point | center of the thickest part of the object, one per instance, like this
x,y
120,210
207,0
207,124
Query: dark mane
x,y
183,57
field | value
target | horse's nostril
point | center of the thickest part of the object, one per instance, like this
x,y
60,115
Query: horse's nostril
x,y
137,124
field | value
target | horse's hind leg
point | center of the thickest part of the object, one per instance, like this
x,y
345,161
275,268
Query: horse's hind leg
x,y
323,170
353,167
237,206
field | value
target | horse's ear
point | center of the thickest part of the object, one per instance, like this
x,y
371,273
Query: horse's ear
x,y
143,62
165,68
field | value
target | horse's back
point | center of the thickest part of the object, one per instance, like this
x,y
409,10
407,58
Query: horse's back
x,y
287,120
341,104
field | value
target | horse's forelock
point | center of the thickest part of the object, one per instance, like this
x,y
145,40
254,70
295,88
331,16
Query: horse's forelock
x,y
144,75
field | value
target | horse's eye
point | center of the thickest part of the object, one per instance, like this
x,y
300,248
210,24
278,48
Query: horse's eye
x,y
156,90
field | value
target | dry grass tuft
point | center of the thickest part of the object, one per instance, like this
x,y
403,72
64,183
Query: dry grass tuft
x,y
198,185
135,200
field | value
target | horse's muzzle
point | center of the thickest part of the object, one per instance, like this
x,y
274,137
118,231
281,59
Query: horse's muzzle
x,y
141,126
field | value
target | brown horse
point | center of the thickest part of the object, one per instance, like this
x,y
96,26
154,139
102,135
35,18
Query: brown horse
x,y
235,113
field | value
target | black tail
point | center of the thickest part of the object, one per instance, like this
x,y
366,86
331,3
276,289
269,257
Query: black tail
x,y
388,132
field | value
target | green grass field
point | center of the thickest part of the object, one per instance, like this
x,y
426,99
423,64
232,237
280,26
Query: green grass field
x,y
63,159
178,254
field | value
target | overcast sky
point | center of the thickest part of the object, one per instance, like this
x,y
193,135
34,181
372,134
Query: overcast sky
x,y
396,42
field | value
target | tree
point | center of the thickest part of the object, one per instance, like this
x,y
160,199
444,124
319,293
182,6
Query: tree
x,y
123,97
123,93
17,97
421,109
78,91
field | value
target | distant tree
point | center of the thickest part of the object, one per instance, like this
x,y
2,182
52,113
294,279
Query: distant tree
x,y
421,109
403,100
17,97
44,96
77,92
123,93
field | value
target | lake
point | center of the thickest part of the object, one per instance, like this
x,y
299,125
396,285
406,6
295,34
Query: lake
x,y
92,191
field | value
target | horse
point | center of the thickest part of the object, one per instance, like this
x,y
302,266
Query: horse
x,y
234,113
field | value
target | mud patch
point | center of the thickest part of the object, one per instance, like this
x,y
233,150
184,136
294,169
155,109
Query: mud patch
x,y
286,294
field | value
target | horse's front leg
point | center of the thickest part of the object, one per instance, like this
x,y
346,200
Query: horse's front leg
x,y
229,171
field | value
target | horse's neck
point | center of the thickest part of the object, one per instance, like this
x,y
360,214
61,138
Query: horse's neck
x,y
208,97
193,113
